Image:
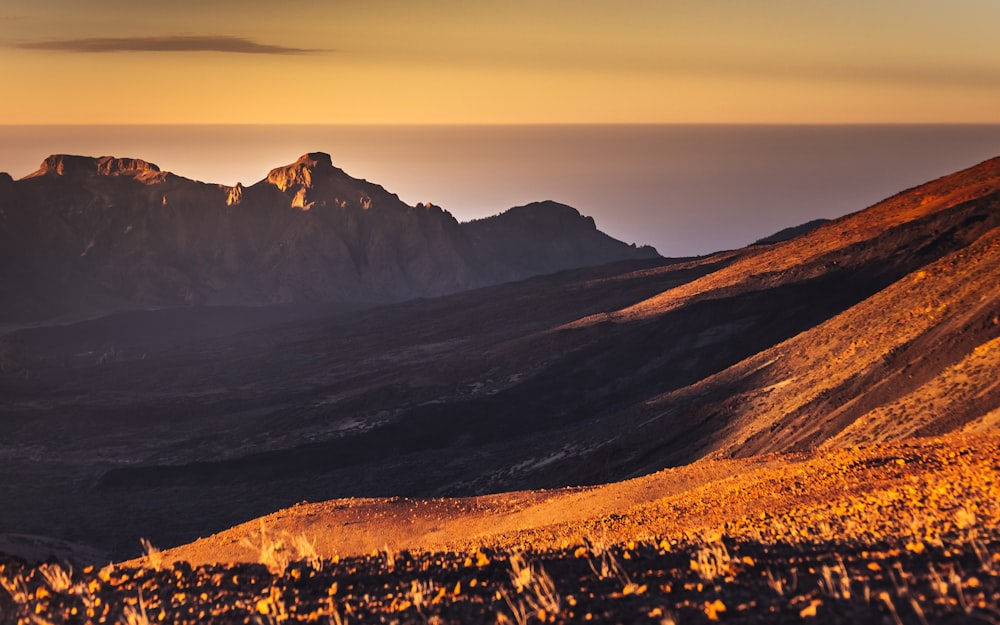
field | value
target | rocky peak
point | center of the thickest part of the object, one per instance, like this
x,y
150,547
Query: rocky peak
x,y
239,245
65,165
302,172
111,166
72,166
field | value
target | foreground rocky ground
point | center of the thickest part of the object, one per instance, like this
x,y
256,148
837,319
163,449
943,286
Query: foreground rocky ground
x,y
693,582
910,535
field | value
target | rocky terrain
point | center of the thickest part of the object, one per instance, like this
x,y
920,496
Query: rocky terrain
x,y
171,424
793,430
897,533
85,236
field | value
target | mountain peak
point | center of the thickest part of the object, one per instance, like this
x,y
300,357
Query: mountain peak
x,y
302,171
549,213
220,244
70,165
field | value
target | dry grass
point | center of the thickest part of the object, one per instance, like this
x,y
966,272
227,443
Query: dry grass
x,y
536,593
898,533
277,553
154,557
911,491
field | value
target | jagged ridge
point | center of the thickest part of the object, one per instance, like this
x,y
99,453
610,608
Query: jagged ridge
x,y
95,235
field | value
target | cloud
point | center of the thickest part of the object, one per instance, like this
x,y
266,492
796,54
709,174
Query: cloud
x,y
178,43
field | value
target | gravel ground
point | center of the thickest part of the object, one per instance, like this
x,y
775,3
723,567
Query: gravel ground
x,y
695,582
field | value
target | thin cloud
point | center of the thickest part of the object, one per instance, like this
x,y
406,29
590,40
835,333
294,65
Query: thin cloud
x,y
874,73
984,76
235,45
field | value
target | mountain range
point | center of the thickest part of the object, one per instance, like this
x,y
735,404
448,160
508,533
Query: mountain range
x,y
86,236
879,326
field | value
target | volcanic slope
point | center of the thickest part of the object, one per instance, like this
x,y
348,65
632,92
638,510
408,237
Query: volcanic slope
x,y
897,493
919,357
585,377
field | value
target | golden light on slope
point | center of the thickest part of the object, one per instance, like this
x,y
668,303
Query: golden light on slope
x,y
905,492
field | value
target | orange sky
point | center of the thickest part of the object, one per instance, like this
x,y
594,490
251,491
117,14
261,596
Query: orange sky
x,y
517,61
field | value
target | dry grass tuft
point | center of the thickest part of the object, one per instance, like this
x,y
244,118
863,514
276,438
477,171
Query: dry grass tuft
x,y
153,556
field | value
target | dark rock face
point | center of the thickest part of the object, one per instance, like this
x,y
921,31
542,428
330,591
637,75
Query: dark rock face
x,y
545,237
93,235
64,165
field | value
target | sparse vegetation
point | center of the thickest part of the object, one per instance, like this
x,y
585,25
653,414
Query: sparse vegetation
x,y
909,535
136,614
306,551
870,551
845,582
277,553
536,592
154,557
712,560
58,578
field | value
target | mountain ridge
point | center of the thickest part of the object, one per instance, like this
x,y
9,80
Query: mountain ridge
x,y
73,166
95,235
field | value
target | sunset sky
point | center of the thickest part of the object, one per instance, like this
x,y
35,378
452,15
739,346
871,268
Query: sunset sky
x,y
518,61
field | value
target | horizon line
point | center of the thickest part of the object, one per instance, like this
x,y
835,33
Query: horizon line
x,y
488,124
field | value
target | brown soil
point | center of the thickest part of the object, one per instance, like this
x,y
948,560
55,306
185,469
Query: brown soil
x,y
896,490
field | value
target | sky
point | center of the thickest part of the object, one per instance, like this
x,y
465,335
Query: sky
x,y
517,61
75,71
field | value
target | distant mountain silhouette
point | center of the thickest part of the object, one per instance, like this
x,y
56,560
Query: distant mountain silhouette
x,y
544,237
85,236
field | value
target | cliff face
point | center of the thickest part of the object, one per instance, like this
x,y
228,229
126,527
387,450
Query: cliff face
x,y
91,235
76,167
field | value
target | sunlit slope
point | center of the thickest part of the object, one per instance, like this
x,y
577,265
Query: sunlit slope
x,y
842,241
906,492
917,357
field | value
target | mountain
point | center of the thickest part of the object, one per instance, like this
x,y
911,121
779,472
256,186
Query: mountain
x,y
878,326
544,235
84,236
